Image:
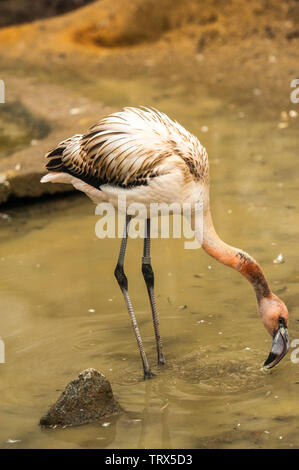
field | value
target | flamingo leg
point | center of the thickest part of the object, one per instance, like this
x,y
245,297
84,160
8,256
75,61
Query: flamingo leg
x,y
148,275
123,284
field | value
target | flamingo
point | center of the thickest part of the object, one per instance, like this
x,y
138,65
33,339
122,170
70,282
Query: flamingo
x,y
142,154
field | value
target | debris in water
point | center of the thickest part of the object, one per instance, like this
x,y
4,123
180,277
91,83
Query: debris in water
x,y
204,129
5,217
75,111
258,158
13,441
282,125
3,178
91,310
279,259
257,92
293,113
199,57
272,59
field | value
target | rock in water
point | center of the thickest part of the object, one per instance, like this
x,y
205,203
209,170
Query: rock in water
x,y
86,399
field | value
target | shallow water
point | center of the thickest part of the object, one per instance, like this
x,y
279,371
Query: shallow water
x,y
18,127
212,392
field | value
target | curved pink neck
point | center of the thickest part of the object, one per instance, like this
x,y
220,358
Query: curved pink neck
x,y
233,257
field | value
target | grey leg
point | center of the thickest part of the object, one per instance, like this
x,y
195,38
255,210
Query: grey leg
x,y
148,275
123,283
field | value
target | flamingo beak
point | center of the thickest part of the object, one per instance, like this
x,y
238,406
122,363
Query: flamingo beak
x,y
280,345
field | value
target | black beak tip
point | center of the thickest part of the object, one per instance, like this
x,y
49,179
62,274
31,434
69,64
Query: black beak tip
x,y
280,346
271,358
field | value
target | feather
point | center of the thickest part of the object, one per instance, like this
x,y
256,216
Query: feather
x,y
129,148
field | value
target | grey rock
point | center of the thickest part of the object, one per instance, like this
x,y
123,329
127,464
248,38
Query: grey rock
x,y
86,399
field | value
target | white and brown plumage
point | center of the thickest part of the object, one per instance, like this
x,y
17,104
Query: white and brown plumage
x,y
144,155
139,151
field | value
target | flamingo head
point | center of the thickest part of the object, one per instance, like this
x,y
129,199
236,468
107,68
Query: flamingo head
x,y
275,317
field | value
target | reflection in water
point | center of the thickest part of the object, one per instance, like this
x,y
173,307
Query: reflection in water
x,y
145,418
61,310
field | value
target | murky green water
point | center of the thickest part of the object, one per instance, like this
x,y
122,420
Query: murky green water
x,y
212,392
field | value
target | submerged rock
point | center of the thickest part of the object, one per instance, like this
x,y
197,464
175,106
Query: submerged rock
x,y
86,399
